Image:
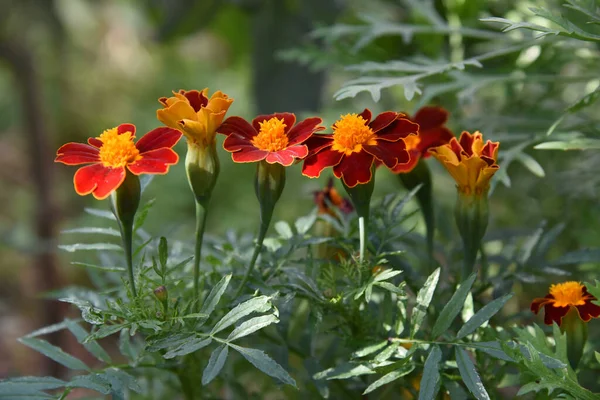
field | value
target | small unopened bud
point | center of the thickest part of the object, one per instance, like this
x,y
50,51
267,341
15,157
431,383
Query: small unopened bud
x,y
162,295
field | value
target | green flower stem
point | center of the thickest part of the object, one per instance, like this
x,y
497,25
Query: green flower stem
x,y
577,335
124,204
201,214
268,186
361,198
471,214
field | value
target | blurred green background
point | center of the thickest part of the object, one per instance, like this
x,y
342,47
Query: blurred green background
x,y
71,68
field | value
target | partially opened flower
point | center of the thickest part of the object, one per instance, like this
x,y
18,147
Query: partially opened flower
x,y
564,297
432,133
194,114
356,143
275,138
112,153
329,197
470,162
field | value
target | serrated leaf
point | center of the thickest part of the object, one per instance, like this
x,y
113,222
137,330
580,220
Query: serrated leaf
x,y
386,274
71,248
29,384
574,144
92,382
100,213
578,257
94,230
99,267
469,375
105,330
453,307
423,299
531,164
390,377
390,288
215,294
345,371
92,346
163,252
171,341
240,311
188,347
251,326
365,351
283,229
266,364
303,224
430,380
54,353
142,214
494,349
483,315
215,364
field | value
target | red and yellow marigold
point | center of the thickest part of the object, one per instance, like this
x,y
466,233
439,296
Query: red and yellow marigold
x,y
194,114
562,298
469,161
275,138
112,153
432,133
356,142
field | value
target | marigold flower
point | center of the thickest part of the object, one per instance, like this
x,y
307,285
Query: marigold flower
x,y
432,133
275,138
562,298
328,197
356,143
470,162
114,151
194,114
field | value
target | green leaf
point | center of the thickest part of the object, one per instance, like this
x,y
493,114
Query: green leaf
x,y
303,224
390,288
163,252
215,364
105,330
256,304
71,248
386,274
345,371
54,353
215,294
469,375
142,214
100,213
94,230
99,267
251,326
93,382
365,351
578,257
188,347
494,349
531,164
390,377
430,381
29,384
574,144
483,315
453,307
92,346
283,229
266,364
423,299
171,341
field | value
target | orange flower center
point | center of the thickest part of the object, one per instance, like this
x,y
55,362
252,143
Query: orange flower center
x,y
117,150
567,294
350,133
271,136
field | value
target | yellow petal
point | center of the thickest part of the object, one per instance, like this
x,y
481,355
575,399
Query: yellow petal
x,y
178,111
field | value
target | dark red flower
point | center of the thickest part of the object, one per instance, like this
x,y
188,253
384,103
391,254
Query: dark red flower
x,y
432,133
356,143
272,138
328,197
562,298
112,152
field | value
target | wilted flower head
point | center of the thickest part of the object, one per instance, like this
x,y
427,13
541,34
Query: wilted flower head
x,y
470,162
562,298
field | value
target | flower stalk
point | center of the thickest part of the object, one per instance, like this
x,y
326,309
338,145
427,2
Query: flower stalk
x,y
360,195
124,203
577,334
471,215
269,184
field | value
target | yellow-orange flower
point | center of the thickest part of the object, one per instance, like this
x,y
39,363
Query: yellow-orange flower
x,y
194,114
470,162
562,298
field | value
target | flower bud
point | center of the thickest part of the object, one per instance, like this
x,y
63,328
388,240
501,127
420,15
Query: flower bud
x,y
270,180
162,295
202,168
126,199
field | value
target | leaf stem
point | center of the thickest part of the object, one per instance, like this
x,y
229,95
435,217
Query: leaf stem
x,y
264,226
201,214
127,238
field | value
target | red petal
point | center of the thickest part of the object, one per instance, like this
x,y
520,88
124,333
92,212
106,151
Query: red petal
x,y
249,154
588,311
289,120
317,143
95,142
154,162
235,142
397,130
433,138
537,303
237,125
366,114
157,139
390,153
466,142
196,98
402,168
315,163
355,169
286,157
126,128
77,153
431,117
304,130
98,180
383,120
554,314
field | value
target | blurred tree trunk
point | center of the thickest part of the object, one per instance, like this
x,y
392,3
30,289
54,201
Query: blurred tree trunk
x,y
45,272
278,25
